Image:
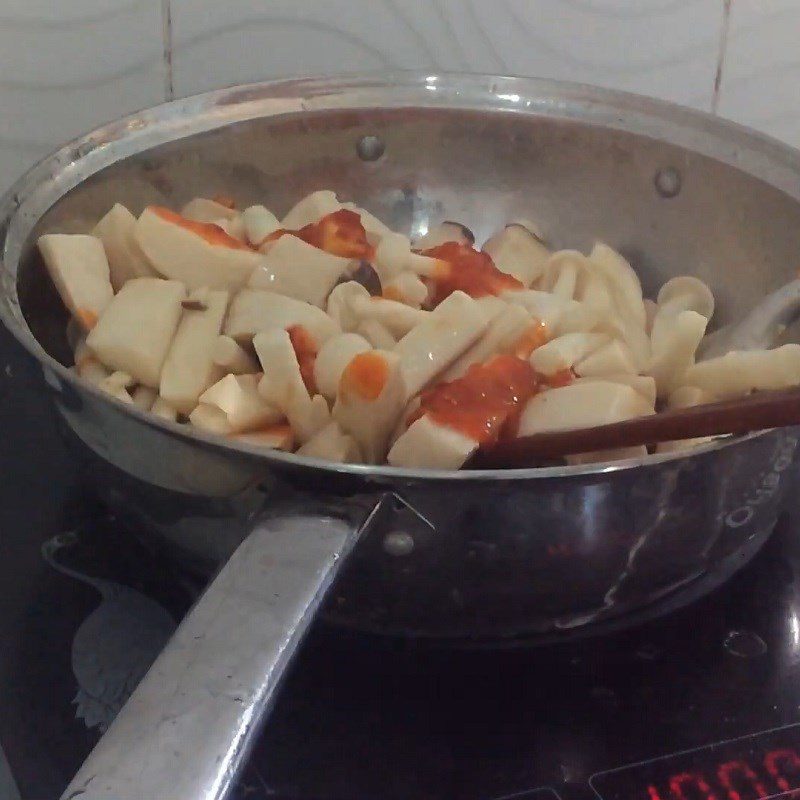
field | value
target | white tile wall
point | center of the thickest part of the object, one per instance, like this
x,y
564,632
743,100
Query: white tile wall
x,y
68,66
667,48
65,67
761,76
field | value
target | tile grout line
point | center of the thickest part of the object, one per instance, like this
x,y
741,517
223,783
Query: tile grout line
x,y
166,38
723,48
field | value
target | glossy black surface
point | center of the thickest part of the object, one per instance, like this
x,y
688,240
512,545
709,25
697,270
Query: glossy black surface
x,y
365,718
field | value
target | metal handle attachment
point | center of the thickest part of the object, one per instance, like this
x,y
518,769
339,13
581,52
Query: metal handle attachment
x,y
187,728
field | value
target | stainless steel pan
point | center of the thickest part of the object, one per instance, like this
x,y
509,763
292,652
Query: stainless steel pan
x,y
464,555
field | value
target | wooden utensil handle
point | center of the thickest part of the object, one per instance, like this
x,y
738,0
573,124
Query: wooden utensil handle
x,y
752,413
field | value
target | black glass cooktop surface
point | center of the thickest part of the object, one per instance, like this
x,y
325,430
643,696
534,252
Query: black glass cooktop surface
x,y
703,703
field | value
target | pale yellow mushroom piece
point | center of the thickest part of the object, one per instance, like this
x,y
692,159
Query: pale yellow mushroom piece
x,y
428,445
202,209
626,288
332,444
376,334
234,405
189,368
117,385
274,437
561,353
374,228
253,311
743,371
299,270
519,251
311,208
612,358
282,385
371,397
674,349
135,332
78,267
340,304
333,357
181,253
125,258
644,384
408,288
504,332
163,410
582,405
230,356
397,318
394,256
436,342
259,222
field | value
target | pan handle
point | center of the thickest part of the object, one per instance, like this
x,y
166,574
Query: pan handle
x,y
188,727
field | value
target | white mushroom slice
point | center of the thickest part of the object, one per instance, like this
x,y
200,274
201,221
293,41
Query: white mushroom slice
x,y
446,332
92,371
675,350
678,294
577,317
491,306
78,267
686,293
630,332
371,397
233,227
376,334
685,397
161,408
333,357
125,258
740,372
564,351
503,333
561,273
518,251
135,332
209,258
612,358
201,209
331,444
582,405
408,288
296,269
393,255
189,368
429,445
282,385
375,229
116,384
545,307
275,437
340,304
643,384
252,311
445,232
311,209
259,222
143,397
230,356
623,280
234,405
397,318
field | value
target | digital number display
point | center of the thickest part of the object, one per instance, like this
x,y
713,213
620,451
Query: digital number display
x,y
762,766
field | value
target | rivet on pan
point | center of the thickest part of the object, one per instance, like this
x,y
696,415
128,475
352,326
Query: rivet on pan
x,y
398,543
668,182
370,148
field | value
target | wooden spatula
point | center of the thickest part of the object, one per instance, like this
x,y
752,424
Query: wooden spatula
x,y
752,413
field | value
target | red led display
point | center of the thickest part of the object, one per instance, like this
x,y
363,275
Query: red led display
x,y
764,766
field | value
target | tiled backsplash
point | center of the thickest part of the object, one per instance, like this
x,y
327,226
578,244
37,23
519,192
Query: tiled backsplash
x,y
69,66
